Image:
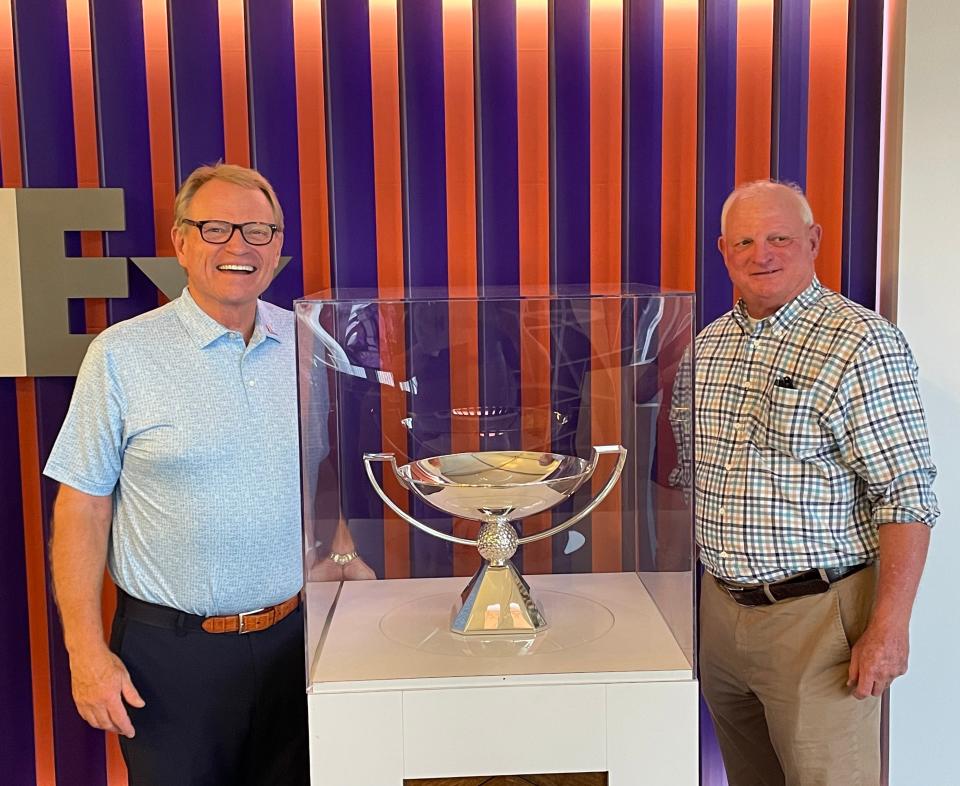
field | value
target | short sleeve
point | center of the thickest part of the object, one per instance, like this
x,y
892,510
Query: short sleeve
x,y
87,454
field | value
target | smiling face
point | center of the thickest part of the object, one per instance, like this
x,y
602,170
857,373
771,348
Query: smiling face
x,y
768,248
226,280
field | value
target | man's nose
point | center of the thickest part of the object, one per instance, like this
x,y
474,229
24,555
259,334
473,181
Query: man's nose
x,y
762,250
236,243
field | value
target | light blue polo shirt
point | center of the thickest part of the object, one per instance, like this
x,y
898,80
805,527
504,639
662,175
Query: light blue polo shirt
x,y
194,434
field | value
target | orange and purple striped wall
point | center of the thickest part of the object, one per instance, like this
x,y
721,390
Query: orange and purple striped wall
x,y
443,144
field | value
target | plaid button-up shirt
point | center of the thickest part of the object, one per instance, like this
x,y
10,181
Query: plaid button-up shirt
x,y
810,433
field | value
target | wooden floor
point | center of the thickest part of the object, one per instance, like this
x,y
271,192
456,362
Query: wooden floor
x,y
571,779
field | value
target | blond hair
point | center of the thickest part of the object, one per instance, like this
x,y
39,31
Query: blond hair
x,y
229,173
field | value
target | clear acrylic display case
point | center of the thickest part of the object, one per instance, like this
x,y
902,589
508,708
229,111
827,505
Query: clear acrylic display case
x,y
549,376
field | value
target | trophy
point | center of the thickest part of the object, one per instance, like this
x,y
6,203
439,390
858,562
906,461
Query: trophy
x,y
496,488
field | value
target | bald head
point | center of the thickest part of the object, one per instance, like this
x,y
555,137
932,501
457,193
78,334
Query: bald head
x,y
767,188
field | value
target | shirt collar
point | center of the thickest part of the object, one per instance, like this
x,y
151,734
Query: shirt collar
x,y
204,329
785,316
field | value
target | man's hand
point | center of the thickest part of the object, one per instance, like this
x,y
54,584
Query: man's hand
x,y
101,684
878,658
880,655
328,570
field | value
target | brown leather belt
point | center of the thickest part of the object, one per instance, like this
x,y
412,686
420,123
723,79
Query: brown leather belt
x,y
251,621
810,582
166,617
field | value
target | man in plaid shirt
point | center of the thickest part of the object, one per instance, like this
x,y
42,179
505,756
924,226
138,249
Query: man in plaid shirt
x,y
813,506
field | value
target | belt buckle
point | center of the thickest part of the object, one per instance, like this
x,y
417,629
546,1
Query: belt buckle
x,y
243,619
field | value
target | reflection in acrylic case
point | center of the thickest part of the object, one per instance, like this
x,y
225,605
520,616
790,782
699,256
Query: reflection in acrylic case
x,y
500,376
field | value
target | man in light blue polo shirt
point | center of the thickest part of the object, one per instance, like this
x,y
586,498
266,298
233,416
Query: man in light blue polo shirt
x,y
179,469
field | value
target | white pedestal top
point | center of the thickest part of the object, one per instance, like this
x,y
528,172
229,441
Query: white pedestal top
x,y
393,634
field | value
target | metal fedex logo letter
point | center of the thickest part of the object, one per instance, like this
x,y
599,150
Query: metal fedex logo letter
x,y
37,278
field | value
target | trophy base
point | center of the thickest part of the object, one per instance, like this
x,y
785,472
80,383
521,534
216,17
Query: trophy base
x,y
497,601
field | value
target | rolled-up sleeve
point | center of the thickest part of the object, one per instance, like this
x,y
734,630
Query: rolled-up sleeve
x,y
882,431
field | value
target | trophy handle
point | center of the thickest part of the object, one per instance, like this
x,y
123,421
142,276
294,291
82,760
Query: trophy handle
x,y
614,477
368,459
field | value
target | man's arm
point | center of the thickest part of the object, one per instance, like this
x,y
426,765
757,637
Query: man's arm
x,y
81,529
880,655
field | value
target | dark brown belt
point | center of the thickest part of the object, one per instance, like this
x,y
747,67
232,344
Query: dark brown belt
x,y
810,582
165,617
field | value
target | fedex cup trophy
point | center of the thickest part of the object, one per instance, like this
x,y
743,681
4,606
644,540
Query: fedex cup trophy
x,y
496,488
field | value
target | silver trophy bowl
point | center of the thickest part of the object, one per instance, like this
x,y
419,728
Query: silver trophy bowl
x,y
496,487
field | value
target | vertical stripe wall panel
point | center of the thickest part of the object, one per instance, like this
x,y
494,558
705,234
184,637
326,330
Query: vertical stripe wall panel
x,y
387,422
156,46
533,168
753,93
825,131
78,748
346,52
498,233
16,730
49,159
717,123
422,143
9,109
273,127
570,142
18,754
862,151
425,262
461,223
569,252
124,135
791,70
38,599
679,146
498,217
43,81
606,317
311,119
348,106
44,87
235,81
387,166
197,88
642,137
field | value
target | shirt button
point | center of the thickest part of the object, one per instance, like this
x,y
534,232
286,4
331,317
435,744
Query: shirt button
x,y
724,555
252,382
747,385
722,512
739,427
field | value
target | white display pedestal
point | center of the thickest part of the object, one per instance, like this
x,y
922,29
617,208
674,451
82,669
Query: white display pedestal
x,y
394,695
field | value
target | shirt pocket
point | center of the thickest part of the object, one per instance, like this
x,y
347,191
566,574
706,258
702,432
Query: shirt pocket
x,y
788,422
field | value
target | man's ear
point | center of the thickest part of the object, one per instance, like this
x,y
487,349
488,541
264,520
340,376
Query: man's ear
x,y
816,234
722,246
178,237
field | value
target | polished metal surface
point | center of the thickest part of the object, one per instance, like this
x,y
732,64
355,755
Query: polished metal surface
x,y
509,484
497,601
496,488
497,541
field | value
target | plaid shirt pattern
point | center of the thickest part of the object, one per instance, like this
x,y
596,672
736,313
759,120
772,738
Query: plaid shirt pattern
x,y
810,433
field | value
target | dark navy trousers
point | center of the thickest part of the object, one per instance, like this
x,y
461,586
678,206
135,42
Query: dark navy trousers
x,y
221,709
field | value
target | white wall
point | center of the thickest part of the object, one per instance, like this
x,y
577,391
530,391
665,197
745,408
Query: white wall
x,y
925,703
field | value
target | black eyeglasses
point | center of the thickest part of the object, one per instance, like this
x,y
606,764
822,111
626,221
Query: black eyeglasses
x,y
256,233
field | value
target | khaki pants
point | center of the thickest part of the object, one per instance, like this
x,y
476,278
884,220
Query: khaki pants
x,y
774,678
